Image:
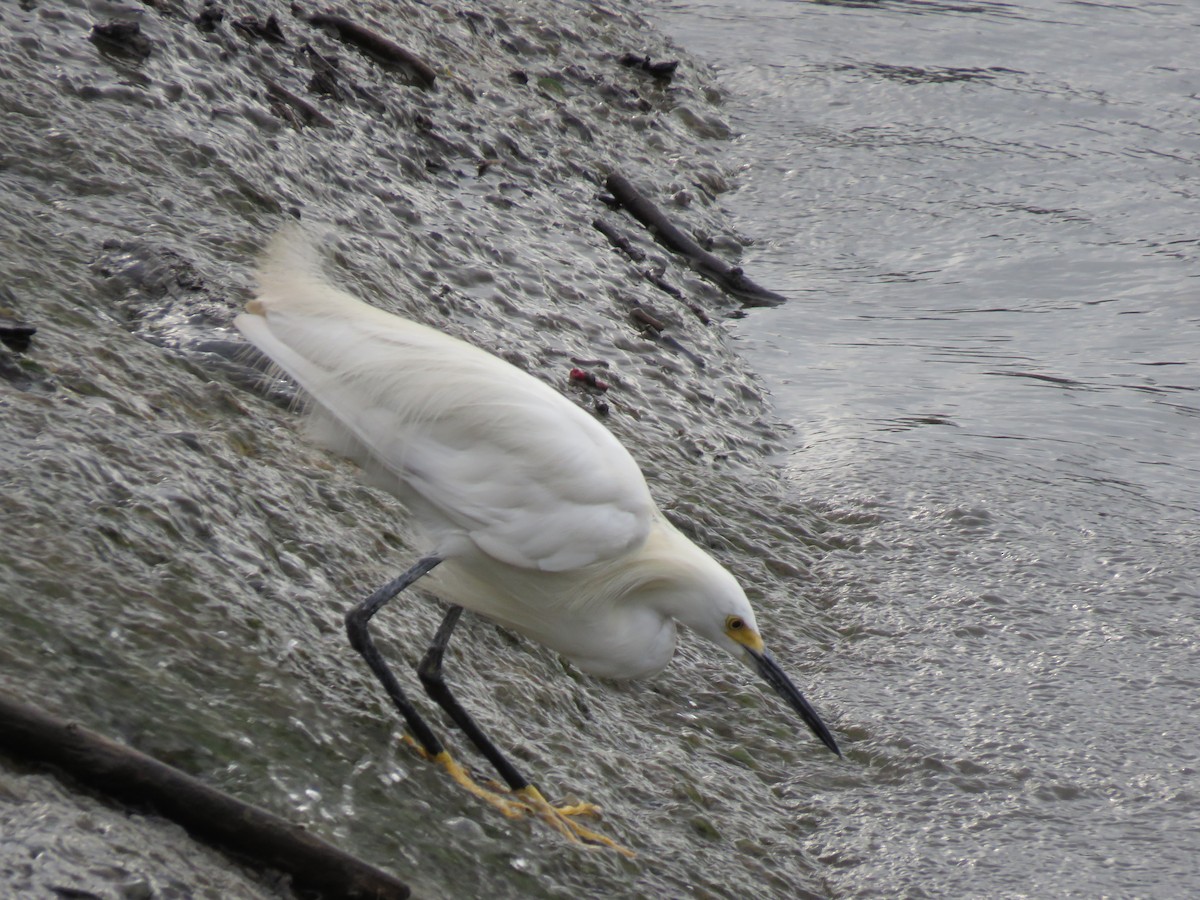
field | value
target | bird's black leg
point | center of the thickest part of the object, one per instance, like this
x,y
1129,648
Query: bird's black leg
x,y
525,797
430,672
360,638
357,620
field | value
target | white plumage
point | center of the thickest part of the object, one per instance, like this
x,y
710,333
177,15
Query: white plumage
x,y
497,456
537,515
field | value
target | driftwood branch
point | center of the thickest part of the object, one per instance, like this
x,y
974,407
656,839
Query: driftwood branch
x,y
207,814
383,50
731,278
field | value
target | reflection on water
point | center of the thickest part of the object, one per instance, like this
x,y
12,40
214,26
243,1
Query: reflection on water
x,y
991,356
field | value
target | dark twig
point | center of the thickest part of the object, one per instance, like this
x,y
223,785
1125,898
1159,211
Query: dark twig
x,y
383,50
307,113
618,240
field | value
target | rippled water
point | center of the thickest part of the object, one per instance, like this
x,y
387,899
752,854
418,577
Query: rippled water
x,y
984,213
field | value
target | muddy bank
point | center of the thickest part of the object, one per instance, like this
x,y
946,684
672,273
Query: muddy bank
x,y
176,558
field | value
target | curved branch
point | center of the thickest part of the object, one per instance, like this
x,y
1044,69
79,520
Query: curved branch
x,y
207,814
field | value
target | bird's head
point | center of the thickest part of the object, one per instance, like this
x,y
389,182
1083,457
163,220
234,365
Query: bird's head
x,y
724,616
693,588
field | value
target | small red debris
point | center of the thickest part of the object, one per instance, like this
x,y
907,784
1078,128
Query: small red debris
x,y
589,379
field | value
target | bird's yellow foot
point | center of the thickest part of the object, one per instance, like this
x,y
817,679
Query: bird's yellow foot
x,y
514,809
527,801
560,819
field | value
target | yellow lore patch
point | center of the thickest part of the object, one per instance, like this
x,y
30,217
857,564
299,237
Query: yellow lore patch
x,y
738,630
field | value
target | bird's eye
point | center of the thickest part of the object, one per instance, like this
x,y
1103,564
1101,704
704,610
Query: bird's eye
x,y
735,623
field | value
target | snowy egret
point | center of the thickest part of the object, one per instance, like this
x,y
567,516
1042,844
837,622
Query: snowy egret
x,y
535,515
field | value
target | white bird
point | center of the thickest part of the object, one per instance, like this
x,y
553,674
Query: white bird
x,y
535,516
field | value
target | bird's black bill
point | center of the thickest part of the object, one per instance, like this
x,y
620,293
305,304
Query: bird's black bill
x,y
769,669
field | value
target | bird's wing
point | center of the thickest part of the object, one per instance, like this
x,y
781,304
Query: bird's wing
x,y
529,477
534,487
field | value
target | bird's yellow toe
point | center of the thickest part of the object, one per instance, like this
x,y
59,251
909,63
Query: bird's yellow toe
x,y
561,820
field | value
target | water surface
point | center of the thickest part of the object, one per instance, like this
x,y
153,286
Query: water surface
x,y
984,214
